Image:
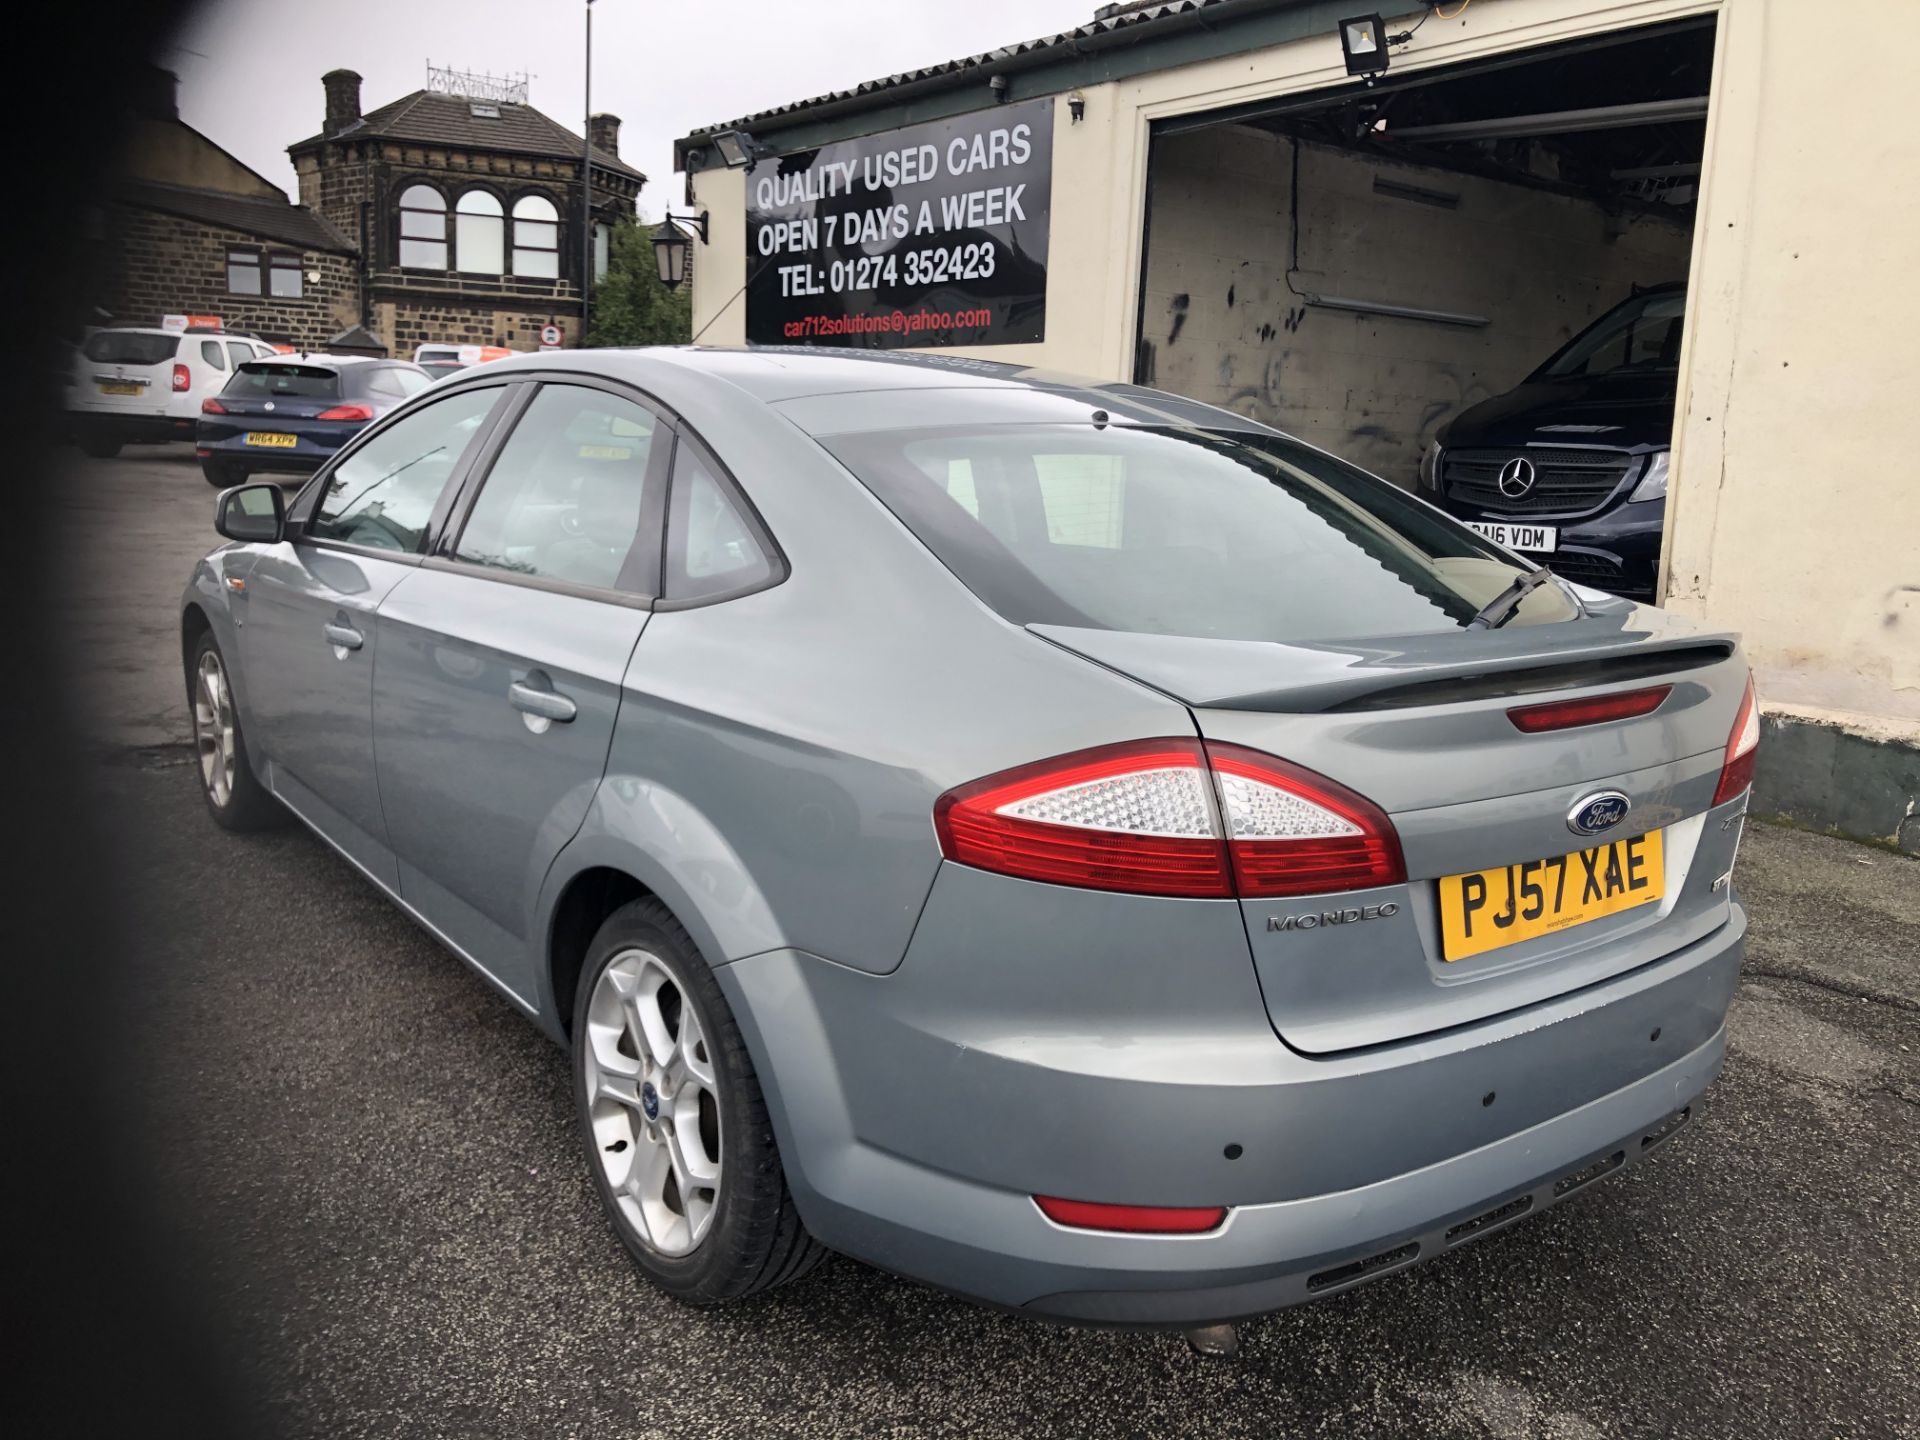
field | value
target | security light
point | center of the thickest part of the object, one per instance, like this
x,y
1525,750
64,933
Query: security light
x,y
1363,40
737,148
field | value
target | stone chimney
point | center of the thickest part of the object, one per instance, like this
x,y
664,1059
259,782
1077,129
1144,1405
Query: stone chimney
x,y
343,100
603,133
153,93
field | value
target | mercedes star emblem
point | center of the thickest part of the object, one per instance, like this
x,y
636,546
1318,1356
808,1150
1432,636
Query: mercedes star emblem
x,y
1516,477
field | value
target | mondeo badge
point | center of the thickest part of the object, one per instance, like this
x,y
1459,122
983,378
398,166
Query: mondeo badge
x,y
1595,813
1516,477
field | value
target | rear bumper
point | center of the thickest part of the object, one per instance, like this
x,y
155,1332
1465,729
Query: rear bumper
x,y
308,453
914,1135
132,429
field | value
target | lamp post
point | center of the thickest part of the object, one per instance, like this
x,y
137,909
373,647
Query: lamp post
x,y
586,185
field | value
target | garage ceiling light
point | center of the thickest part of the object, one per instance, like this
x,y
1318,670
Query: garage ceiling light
x,y
1363,40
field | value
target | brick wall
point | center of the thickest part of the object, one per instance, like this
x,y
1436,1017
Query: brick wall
x,y
158,264
1222,325
406,323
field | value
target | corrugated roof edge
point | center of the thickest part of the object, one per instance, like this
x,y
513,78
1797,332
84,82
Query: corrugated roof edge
x,y
1130,27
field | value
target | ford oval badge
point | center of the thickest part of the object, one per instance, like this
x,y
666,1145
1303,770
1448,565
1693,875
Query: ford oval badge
x,y
1595,813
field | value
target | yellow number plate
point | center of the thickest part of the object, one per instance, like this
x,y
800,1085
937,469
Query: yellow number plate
x,y
272,438
119,389
1483,911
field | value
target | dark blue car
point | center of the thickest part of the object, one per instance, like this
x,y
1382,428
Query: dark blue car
x,y
1571,466
292,413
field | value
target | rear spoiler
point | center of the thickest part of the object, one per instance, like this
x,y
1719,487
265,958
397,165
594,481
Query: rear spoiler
x,y
1393,672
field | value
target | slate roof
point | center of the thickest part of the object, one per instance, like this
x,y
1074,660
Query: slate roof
x,y
1141,18
258,215
429,118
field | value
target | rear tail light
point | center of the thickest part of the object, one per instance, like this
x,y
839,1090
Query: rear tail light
x,y
182,377
1589,710
1132,1219
1292,832
346,412
211,406
1171,817
1743,750
1134,817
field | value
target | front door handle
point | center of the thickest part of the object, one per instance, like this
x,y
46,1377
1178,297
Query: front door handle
x,y
539,700
343,637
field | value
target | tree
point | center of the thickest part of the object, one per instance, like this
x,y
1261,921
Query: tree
x,y
630,305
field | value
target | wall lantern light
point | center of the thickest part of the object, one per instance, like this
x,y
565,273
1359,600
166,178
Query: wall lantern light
x,y
1077,107
1363,40
671,244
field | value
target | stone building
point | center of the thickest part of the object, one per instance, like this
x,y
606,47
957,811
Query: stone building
x,y
465,211
437,218
193,230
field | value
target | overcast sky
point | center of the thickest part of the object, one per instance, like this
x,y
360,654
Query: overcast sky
x,y
250,72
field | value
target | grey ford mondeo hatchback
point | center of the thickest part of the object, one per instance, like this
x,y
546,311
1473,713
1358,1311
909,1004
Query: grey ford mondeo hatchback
x,y
1061,842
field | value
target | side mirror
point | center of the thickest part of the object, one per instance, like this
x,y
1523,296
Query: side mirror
x,y
256,513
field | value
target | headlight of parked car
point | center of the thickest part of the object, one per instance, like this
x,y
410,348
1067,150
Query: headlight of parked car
x,y
1430,466
1653,484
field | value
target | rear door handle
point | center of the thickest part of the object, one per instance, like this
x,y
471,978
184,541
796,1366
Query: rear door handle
x,y
539,700
343,636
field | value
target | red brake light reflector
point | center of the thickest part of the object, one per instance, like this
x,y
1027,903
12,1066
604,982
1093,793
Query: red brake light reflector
x,y
1743,749
1135,817
211,406
1588,710
1293,832
182,377
346,412
1132,1219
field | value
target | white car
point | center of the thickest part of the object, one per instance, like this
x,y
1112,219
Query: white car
x,y
136,383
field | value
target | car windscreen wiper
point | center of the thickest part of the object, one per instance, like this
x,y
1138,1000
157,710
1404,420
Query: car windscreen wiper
x,y
1497,611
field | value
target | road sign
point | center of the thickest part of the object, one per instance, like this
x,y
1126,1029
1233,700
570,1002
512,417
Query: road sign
x,y
550,335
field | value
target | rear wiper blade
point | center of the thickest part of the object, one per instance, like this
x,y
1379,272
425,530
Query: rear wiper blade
x,y
1497,611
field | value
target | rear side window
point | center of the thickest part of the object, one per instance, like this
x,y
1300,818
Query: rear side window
x,y
273,379
129,347
1183,532
566,498
211,352
382,494
711,547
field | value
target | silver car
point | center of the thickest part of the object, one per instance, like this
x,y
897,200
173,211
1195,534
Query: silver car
x,y
1061,842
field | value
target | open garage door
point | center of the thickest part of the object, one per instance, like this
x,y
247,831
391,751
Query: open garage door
x,y
1468,279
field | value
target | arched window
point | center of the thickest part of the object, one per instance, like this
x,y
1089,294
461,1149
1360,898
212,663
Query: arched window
x,y
536,237
479,234
423,228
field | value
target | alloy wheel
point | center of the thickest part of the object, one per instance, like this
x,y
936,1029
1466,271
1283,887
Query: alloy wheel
x,y
654,1102
213,728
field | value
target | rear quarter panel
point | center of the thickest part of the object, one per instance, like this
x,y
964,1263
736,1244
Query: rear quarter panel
x,y
777,756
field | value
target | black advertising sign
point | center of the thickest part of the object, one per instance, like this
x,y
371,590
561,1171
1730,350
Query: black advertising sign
x,y
930,236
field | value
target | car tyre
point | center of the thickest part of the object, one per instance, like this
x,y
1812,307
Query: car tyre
x,y
98,444
235,797
667,1099
222,474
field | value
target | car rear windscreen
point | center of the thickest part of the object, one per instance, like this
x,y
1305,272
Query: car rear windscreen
x,y
271,378
1184,532
129,347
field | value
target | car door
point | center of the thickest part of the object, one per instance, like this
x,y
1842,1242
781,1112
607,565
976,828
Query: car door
x,y
501,663
307,634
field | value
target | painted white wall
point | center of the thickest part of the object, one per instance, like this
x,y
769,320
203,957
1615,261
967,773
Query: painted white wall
x,y
1792,516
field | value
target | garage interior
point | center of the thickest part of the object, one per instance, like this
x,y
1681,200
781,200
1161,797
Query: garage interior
x,y
1358,265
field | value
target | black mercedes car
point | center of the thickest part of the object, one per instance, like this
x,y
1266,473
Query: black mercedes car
x,y
1571,466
